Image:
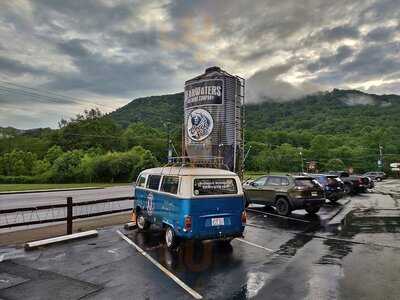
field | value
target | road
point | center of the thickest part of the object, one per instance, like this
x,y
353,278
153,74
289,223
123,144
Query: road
x,y
299,258
45,198
36,199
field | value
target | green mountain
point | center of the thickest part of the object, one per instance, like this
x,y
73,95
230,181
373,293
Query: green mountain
x,y
336,112
153,111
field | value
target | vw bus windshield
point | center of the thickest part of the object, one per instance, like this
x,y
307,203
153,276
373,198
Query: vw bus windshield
x,y
214,186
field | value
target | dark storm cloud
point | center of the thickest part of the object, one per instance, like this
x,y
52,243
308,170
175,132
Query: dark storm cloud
x,y
339,33
342,53
88,15
74,48
131,48
144,39
381,34
14,67
373,62
103,75
380,11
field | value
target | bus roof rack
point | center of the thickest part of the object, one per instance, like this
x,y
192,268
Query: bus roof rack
x,y
198,162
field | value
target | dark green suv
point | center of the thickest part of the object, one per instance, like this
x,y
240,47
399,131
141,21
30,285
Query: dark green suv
x,y
286,193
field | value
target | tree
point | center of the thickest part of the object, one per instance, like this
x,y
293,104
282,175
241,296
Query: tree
x,y
335,164
66,168
40,167
155,140
89,130
53,153
287,158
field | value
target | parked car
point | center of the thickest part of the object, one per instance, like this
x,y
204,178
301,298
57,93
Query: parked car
x,y
286,193
376,176
333,186
368,181
353,184
190,203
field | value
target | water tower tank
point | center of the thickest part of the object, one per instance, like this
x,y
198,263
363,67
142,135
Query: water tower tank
x,y
213,110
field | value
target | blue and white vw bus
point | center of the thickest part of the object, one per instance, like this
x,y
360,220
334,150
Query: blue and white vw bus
x,y
190,203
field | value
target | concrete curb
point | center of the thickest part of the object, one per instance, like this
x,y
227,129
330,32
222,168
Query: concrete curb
x,y
344,204
61,239
341,214
49,191
130,226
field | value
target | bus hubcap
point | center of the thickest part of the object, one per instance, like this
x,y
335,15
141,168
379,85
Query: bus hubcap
x,y
168,237
141,221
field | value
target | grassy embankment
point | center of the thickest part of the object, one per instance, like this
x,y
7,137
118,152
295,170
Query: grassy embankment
x,y
26,187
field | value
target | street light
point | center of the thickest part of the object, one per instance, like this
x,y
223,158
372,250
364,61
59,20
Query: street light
x,y
302,163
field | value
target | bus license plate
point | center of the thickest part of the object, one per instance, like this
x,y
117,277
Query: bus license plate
x,y
314,194
217,221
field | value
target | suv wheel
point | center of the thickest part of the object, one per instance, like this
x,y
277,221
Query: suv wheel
x,y
282,206
312,209
347,189
334,199
141,222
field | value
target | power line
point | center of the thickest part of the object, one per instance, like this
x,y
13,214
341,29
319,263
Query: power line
x,y
42,93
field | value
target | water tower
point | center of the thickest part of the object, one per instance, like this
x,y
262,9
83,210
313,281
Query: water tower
x,y
214,116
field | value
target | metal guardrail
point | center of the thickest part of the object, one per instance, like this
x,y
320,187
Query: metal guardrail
x,y
35,218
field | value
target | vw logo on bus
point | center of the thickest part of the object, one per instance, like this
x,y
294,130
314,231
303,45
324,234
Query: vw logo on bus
x,y
199,124
150,207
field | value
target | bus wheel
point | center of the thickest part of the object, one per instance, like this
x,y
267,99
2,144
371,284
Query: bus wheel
x,y
171,240
141,222
225,243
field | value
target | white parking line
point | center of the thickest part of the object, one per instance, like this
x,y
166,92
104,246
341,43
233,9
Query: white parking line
x,y
279,216
255,245
192,292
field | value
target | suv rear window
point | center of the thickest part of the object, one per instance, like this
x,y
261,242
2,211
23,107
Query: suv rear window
x,y
332,180
278,181
306,182
214,186
274,181
153,182
170,184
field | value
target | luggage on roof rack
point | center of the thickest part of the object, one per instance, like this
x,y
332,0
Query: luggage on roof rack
x,y
198,162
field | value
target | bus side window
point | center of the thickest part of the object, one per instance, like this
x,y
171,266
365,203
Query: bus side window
x,y
153,182
170,184
141,181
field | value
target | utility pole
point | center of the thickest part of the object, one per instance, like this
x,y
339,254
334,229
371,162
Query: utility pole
x,y
169,143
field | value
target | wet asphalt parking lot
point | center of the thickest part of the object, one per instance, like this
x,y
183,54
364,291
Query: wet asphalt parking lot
x,y
351,250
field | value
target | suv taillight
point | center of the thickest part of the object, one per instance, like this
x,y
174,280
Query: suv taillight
x,y
187,223
244,217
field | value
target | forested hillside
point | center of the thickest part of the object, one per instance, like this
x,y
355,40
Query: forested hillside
x,y
339,111
336,129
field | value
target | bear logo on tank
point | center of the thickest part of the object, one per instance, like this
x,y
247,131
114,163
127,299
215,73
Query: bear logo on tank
x,y
199,124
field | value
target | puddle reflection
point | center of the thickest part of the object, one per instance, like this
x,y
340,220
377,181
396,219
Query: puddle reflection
x,y
189,257
371,221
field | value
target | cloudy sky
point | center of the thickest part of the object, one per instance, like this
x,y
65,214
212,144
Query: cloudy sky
x,y
59,57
